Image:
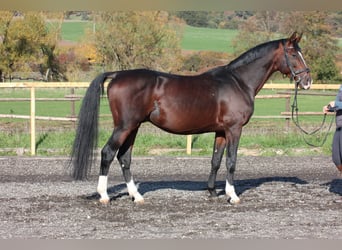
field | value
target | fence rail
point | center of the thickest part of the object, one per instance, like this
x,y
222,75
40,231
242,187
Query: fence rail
x,y
306,113
33,85
46,118
40,99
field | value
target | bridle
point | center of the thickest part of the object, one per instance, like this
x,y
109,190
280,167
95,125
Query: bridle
x,y
295,75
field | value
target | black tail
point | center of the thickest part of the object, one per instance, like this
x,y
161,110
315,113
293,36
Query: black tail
x,y
87,131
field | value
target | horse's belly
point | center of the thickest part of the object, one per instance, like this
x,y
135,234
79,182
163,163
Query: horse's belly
x,y
183,120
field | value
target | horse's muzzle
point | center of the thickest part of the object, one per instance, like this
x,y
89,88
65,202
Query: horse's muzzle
x,y
304,82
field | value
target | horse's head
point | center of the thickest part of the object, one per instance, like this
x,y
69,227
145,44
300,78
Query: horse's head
x,y
296,67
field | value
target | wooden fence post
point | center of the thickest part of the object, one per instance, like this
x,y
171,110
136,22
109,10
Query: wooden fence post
x,y
188,144
287,108
73,113
33,121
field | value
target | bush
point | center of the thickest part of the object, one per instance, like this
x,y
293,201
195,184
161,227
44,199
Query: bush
x,y
326,69
203,60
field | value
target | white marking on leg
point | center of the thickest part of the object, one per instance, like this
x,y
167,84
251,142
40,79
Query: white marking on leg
x,y
230,191
133,192
102,189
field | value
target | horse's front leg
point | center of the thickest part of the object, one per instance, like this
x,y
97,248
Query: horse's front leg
x,y
219,147
232,147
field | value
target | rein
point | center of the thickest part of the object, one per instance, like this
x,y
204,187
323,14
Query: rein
x,y
294,114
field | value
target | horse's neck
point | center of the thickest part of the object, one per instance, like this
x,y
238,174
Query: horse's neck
x,y
255,74
255,66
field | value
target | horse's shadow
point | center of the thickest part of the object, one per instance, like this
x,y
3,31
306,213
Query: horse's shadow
x,y
335,186
241,186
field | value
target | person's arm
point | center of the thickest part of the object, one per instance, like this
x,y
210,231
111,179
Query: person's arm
x,y
338,104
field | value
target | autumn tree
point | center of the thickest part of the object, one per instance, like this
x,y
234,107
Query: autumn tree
x,y
195,18
335,21
135,39
77,61
258,28
318,43
5,21
27,44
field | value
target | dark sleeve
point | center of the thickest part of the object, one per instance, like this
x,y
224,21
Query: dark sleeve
x,y
331,109
338,101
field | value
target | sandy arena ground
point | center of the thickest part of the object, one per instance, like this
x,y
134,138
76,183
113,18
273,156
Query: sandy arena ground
x,y
282,198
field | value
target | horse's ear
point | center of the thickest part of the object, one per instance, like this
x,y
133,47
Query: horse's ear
x,y
295,38
299,37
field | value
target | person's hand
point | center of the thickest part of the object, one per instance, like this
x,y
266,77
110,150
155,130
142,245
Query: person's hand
x,y
325,109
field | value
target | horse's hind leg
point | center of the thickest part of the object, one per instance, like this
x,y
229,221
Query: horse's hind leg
x,y
124,157
107,155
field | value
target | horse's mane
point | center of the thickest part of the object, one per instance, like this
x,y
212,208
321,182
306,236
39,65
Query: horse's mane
x,y
249,56
253,54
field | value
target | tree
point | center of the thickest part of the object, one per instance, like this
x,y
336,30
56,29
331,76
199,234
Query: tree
x,y
258,28
326,68
318,43
75,62
126,40
194,18
27,44
335,21
5,21
207,19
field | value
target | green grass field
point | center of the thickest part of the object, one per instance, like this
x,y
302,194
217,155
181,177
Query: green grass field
x,y
208,39
75,31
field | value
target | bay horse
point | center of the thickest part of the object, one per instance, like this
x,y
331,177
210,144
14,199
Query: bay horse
x,y
220,100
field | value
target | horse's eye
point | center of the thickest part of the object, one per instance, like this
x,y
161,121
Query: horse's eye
x,y
294,55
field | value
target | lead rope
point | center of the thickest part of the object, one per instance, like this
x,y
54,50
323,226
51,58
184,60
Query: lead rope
x,y
296,122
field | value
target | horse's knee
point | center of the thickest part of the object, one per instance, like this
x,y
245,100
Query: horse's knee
x,y
125,164
124,160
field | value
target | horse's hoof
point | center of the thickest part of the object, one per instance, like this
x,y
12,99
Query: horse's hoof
x,y
234,201
212,193
139,201
104,201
